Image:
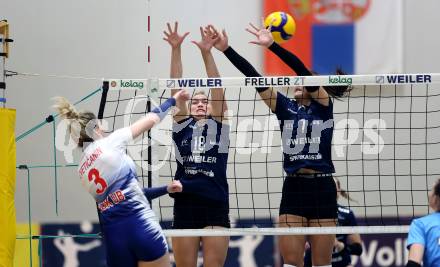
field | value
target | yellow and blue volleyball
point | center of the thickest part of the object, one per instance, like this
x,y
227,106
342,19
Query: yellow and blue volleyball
x,y
283,26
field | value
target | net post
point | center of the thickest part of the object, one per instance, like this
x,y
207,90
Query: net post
x,y
152,93
105,87
3,81
4,53
149,148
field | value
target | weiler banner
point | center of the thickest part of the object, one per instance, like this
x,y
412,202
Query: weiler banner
x,y
361,37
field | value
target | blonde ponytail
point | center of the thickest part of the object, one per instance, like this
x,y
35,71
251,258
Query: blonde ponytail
x,y
65,109
77,121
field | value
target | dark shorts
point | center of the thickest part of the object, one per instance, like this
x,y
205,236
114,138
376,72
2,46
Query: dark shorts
x,y
196,212
311,198
133,239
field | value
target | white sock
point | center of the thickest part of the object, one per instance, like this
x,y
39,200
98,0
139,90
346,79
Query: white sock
x,y
288,265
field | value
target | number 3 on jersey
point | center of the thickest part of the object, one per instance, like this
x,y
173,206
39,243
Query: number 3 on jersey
x,y
98,180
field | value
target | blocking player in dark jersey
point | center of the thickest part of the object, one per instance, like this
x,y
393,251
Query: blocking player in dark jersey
x,y
306,122
201,137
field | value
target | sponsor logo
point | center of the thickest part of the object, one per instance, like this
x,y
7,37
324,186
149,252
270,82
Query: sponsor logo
x,y
340,80
184,142
274,81
171,83
113,84
291,111
380,79
418,78
200,83
131,84
210,82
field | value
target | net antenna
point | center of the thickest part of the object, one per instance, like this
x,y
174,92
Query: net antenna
x,y
5,40
4,53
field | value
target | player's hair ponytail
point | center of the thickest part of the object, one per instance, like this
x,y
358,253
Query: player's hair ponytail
x,y
77,121
436,196
437,189
340,90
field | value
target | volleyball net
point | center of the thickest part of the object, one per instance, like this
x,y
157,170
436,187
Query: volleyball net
x,y
386,144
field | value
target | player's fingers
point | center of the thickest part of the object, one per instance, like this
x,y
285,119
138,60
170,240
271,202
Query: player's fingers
x,y
185,35
224,33
251,31
271,24
254,27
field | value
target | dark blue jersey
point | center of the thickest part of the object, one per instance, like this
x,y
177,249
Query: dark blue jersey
x,y
306,133
345,218
343,258
202,154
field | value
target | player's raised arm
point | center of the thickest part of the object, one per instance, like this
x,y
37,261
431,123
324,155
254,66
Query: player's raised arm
x,y
175,40
157,114
208,39
269,95
264,38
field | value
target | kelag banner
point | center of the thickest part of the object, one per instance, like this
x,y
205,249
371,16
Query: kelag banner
x,y
248,251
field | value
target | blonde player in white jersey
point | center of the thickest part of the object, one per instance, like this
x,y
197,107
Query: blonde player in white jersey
x,y
131,233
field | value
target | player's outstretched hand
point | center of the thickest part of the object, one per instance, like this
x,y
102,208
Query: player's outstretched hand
x,y
338,246
173,37
207,42
264,36
221,43
181,96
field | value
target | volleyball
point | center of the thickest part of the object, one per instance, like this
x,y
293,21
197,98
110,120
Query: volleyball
x,y
283,26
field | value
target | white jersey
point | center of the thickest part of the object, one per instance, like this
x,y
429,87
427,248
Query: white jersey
x,y
109,175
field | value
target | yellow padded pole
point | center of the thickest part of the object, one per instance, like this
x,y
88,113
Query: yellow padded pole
x,y
7,187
